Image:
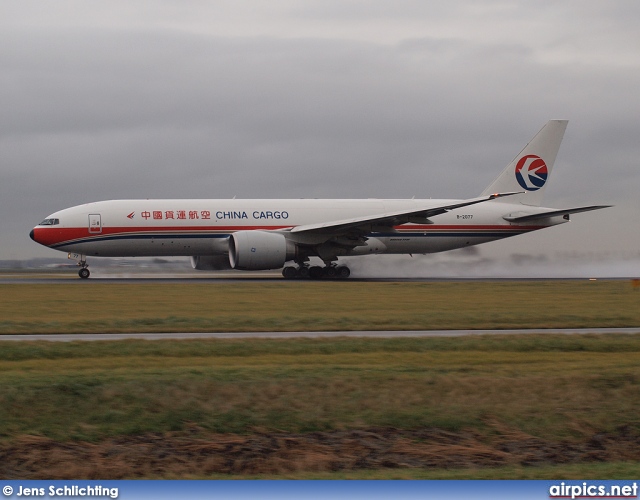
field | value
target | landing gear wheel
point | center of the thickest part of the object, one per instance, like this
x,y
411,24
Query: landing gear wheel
x,y
290,272
316,272
84,273
330,272
343,272
303,272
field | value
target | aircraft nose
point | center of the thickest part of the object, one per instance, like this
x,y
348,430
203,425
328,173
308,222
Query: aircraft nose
x,y
31,235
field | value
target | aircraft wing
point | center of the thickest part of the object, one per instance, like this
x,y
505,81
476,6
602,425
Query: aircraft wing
x,y
551,213
390,218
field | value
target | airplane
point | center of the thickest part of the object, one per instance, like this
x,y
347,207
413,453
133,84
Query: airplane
x,y
266,234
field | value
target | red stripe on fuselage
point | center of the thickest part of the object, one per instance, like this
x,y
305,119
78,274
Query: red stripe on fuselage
x,y
50,236
55,236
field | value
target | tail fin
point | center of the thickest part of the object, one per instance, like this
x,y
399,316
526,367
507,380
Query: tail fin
x,y
530,170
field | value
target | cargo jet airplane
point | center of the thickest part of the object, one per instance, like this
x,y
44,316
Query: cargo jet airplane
x,y
268,234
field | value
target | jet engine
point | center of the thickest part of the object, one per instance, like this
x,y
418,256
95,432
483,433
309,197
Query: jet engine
x,y
210,262
257,250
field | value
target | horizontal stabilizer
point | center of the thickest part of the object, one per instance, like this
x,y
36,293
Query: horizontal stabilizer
x,y
524,217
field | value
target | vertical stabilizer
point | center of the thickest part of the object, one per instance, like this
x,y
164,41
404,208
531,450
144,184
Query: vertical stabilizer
x,y
530,170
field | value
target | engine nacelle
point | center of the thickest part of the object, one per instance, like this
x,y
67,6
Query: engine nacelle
x,y
258,250
210,262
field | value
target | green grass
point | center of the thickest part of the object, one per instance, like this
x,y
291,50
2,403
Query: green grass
x,y
552,386
81,307
555,387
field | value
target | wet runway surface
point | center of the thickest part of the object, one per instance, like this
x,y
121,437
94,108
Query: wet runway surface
x,y
288,335
262,277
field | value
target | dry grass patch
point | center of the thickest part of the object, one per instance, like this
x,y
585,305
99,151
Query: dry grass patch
x,y
365,453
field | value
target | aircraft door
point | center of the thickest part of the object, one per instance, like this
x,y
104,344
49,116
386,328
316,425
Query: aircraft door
x,y
95,223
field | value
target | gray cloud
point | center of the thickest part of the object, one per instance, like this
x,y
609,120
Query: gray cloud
x,y
221,101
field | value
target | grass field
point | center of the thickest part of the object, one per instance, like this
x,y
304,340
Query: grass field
x,y
534,406
86,307
539,396
542,385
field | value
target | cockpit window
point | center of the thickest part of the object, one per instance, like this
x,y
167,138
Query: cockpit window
x,y
50,222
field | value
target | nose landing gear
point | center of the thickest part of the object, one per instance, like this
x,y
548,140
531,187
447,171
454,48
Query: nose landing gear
x,y
84,272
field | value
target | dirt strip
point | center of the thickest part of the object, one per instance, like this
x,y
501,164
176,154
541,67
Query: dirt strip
x,y
196,453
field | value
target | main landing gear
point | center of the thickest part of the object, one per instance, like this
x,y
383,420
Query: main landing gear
x,y
84,272
316,272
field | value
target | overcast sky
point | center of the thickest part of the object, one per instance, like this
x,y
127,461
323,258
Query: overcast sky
x,y
196,99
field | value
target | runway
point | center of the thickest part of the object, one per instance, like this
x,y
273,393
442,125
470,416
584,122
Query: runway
x,y
239,277
288,335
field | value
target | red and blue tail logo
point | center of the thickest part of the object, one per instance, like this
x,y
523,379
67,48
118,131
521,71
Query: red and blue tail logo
x,y
531,172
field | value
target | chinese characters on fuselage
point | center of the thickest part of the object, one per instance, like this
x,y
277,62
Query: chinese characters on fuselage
x,y
206,214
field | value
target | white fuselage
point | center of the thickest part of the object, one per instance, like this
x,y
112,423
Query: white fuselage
x,y
128,228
